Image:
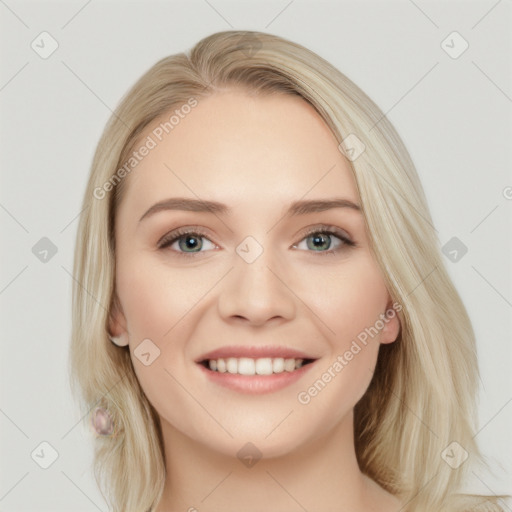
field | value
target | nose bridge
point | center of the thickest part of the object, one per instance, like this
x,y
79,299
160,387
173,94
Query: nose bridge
x,y
253,290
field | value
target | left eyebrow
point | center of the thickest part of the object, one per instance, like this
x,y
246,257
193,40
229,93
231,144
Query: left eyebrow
x,y
314,206
302,207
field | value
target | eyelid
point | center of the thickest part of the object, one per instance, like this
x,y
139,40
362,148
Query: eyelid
x,y
326,228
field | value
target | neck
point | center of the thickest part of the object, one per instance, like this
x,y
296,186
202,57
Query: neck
x,y
321,475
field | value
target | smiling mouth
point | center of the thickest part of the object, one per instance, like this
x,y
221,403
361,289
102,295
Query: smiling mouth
x,y
250,366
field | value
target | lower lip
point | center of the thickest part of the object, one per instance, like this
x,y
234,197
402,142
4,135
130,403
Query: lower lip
x,y
256,384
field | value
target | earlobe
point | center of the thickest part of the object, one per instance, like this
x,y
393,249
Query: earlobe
x,y
392,326
120,341
117,330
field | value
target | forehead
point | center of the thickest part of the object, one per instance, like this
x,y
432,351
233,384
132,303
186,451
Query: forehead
x,y
234,147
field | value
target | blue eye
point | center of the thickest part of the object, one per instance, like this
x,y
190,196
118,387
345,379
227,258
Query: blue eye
x,y
188,242
320,241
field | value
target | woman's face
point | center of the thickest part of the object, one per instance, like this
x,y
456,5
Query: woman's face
x,y
257,286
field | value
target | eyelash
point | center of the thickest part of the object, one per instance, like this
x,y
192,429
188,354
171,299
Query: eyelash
x,y
175,235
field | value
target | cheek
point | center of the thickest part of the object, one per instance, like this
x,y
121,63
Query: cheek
x,y
158,305
155,299
350,301
351,305
161,305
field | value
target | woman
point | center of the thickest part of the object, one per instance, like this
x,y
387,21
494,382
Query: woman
x,y
257,246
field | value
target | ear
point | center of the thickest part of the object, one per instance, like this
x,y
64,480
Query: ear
x,y
117,328
391,328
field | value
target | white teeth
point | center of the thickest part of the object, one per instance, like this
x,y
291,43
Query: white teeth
x,y
278,365
221,365
289,365
249,366
264,366
246,366
232,365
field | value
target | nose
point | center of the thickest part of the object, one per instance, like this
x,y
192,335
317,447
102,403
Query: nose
x,y
256,293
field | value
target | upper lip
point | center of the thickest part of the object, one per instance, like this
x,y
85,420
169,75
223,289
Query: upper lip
x,y
254,352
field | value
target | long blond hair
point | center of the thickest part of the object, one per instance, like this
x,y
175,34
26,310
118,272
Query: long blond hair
x,y
421,398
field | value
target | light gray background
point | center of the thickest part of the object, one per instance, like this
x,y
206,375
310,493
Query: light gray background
x,y
453,114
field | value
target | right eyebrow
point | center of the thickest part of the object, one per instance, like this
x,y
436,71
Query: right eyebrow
x,y
191,205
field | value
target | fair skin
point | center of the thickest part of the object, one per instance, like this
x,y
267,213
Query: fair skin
x,y
309,292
